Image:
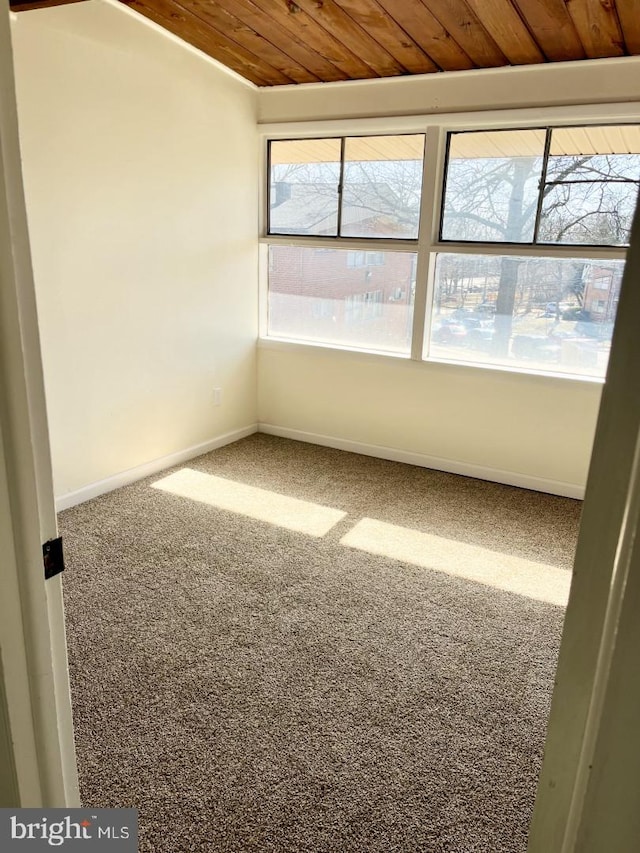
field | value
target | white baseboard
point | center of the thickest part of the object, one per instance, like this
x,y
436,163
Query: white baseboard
x,y
466,469
509,478
146,469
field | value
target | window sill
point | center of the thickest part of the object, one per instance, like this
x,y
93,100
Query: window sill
x,y
300,346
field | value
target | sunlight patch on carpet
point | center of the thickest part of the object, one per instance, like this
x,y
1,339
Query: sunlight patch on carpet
x,y
471,562
261,504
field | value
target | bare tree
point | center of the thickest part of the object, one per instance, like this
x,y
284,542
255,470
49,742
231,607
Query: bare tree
x,y
377,198
586,199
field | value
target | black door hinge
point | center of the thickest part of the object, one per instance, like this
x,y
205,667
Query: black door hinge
x,y
52,558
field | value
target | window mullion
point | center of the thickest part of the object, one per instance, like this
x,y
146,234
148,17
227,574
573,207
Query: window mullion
x,y
429,218
546,250
561,183
367,244
543,183
340,186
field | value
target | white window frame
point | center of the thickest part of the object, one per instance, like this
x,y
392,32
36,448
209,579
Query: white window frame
x,y
428,245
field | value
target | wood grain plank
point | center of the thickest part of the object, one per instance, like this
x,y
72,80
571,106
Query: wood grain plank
x,y
39,4
296,21
598,27
237,31
190,28
466,28
373,19
629,17
552,27
330,16
253,16
507,29
427,31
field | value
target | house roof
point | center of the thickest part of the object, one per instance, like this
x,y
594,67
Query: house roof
x,y
277,42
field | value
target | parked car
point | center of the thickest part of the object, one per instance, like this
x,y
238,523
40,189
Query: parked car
x,y
480,339
464,330
537,347
450,332
466,317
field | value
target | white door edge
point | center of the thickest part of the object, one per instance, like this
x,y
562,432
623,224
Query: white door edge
x,y
608,546
32,640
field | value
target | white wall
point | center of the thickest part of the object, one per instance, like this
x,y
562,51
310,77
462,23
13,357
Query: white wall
x,y
141,180
527,430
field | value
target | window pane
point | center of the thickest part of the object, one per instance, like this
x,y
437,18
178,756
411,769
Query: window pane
x,y
303,187
535,313
589,197
353,299
594,213
492,185
382,186
594,153
600,167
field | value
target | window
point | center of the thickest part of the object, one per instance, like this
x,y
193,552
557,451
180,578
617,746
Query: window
x,y
303,190
562,185
350,187
590,187
521,269
485,171
365,259
570,187
549,323
360,307
382,182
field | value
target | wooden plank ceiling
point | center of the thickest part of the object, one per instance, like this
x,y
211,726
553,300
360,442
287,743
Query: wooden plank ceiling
x,y
276,42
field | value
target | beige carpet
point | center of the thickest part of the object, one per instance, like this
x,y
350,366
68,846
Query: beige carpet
x,y
282,648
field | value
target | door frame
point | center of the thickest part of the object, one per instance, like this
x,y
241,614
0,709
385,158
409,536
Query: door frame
x,y
36,723
589,710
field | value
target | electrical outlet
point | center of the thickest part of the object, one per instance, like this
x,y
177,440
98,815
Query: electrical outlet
x,y
217,396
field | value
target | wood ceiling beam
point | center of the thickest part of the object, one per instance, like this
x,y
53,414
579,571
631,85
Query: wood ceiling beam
x,y
195,31
505,26
214,13
629,18
39,4
279,42
328,14
295,20
466,28
428,32
552,28
374,20
598,27
253,16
